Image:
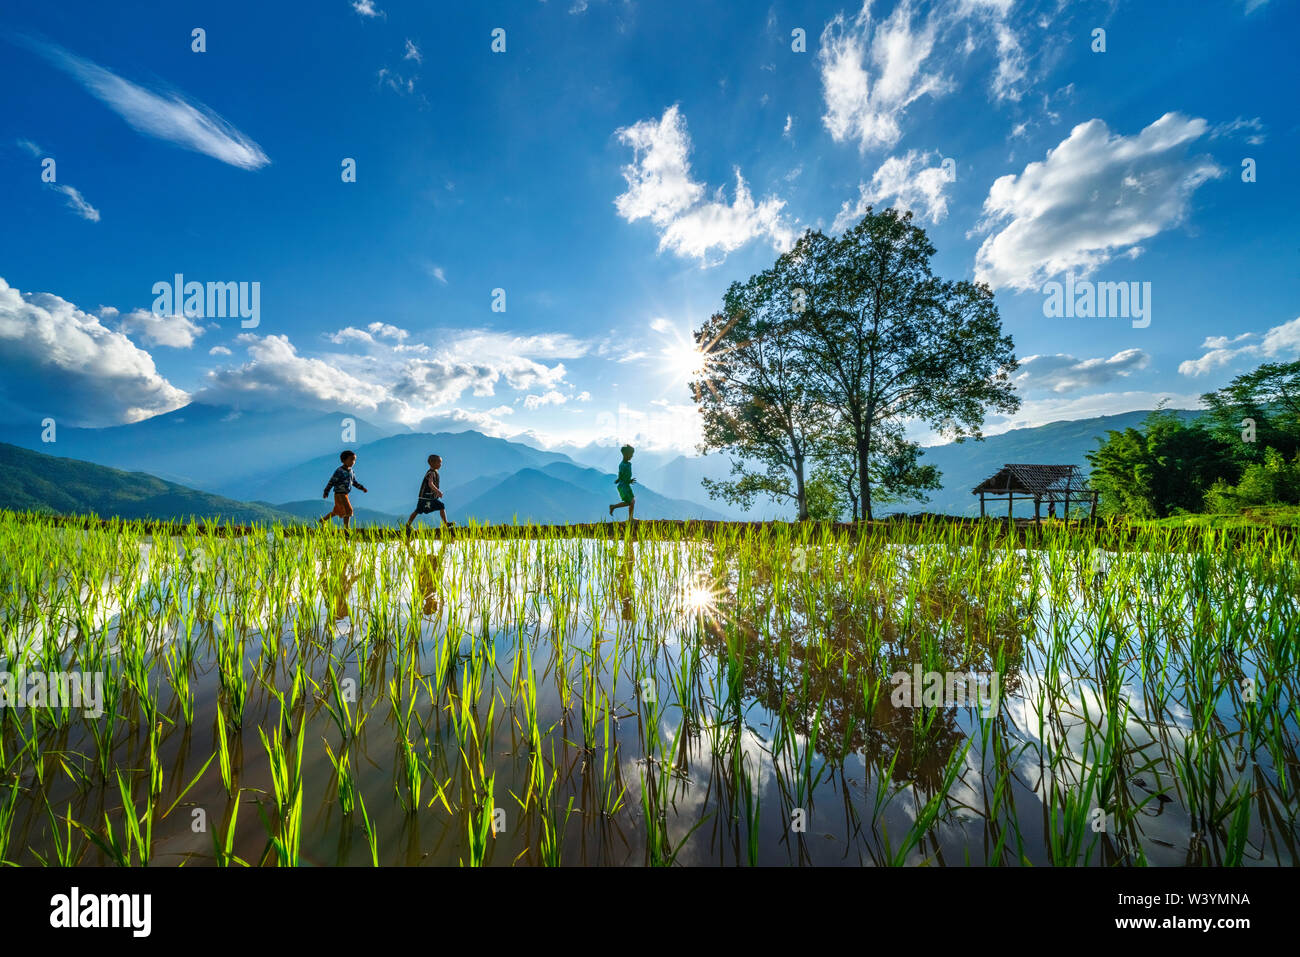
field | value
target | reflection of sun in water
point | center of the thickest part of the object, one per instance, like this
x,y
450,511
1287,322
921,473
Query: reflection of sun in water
x,y
699,599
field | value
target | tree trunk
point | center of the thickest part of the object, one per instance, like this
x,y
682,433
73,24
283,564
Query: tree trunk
x,y
864,482
800,492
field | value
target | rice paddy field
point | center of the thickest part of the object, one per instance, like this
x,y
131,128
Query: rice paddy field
x,y
649,695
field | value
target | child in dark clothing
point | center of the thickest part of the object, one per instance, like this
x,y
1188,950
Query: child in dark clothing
x,y
430,495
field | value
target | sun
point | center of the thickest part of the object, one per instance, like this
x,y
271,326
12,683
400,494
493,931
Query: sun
x,y
682,359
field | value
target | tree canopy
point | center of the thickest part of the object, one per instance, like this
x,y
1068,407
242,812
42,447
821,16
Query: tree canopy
x,y
819,363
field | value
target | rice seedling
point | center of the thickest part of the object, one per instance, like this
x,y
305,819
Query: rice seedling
x,y
286,779
755,666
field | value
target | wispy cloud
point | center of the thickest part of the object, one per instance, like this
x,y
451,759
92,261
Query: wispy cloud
x,y
1253,129
412,52
366,8
165,115
29,146
78,202
872,71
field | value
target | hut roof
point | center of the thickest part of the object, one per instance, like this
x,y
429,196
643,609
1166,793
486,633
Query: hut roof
x,y
1034,480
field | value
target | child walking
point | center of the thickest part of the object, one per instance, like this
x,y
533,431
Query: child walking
x,y
624,484
341,482
430,495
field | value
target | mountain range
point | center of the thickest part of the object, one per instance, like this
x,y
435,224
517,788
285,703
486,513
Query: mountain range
x,y
45,483
208,461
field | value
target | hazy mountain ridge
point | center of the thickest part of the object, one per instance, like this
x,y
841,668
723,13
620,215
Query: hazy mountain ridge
x,y
565,493
213,448
46,483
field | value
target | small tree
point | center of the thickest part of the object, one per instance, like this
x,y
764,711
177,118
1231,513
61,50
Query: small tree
x,y
753,399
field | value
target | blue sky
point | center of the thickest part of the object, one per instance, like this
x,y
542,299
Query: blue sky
x,y
613,171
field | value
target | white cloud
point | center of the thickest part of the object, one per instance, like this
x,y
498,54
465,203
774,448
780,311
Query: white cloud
x,y
583,396
435,271
659,180
548,398
167,116
389,379
457,420
275,374
176,332
544,345
219,351
107,312
77,202
1250,6
29,146
789,126
366,8
384,330
412,52
1065,373
62,362
660,188
1278,342
1096,195
350,334
908,182
872,71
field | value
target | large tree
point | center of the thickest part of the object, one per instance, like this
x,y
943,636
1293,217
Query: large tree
x,y
829,354
882,340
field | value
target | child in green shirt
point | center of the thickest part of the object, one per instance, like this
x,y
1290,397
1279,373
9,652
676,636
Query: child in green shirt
x,y
624,484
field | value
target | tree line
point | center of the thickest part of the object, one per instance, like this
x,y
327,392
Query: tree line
x,y
1242,452
814,369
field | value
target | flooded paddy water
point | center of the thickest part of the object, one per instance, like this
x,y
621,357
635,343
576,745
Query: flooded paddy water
x,y
647,699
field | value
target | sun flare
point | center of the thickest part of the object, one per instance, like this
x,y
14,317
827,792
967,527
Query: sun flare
x,y
683,360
